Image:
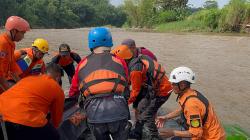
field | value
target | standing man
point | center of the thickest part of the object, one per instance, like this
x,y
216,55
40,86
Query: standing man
x,y
66,59
30,60
136,52
25,106
197,113
15,27
102,80
150,84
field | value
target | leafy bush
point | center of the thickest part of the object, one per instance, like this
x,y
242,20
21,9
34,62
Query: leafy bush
x,y
167,16
209,17
233,15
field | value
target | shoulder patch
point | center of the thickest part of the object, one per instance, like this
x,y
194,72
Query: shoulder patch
x,y
195,121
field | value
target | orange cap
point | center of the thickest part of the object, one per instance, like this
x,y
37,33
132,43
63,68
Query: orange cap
x,y
122,51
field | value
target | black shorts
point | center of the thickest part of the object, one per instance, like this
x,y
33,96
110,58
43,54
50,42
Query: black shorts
x,y
21,132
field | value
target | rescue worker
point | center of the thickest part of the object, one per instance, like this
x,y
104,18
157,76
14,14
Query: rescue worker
x,y
66,59
147,78
15,27
200,120
24,107
30,60
138,50
102,80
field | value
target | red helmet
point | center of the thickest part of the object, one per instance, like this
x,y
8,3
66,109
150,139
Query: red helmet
x,y
18,23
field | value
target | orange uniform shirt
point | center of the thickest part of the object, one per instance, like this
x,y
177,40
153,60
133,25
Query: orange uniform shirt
x,y
7,61
212,129
138,78
29,101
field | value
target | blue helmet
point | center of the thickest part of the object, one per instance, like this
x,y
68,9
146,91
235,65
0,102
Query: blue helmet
x,y
100,36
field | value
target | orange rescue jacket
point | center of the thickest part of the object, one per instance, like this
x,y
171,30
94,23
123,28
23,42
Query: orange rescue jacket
x,y
27,65
101,74
147,72
200,117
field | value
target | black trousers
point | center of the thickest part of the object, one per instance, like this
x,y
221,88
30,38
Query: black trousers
x,y
21,132
148,108
103,131
70,71
141,95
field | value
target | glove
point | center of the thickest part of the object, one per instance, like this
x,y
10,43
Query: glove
x,y
77,118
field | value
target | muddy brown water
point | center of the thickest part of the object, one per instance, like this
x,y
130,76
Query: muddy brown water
x,y
221,63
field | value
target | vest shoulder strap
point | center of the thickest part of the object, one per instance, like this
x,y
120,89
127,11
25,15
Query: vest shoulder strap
x,y
203,99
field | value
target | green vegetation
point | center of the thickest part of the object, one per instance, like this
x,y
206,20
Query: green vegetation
x,y
234,132
231,18
63,13
163,15
183,26
176,15
146,13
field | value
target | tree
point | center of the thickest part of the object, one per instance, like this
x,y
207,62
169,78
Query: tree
x,y
209,4
171,4
7,8
63,13
133,12
147,13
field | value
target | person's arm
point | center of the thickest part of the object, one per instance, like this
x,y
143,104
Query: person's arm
x,y
74,88
174,114
165,87
55,59
3,67
136,83
18,54
193,113
162,119
43,69
166,133
76,57
57,108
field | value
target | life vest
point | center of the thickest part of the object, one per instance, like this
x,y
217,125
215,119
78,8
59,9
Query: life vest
x,y
144,51
27,66
152,69
204,100
101,74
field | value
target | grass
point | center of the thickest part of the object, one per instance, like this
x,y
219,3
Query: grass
x,y
183,26
234,132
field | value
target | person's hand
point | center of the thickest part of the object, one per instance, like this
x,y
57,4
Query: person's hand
x,y
160,121
166,133
77,118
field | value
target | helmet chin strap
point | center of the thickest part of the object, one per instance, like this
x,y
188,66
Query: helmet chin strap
x,y
12,36
181,91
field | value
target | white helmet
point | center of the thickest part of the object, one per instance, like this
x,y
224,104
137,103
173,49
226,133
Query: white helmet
x,y
182,74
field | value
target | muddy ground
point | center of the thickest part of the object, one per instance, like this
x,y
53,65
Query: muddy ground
x,y
221,63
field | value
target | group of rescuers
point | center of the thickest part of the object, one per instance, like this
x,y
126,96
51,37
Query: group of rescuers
x,y
106,81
